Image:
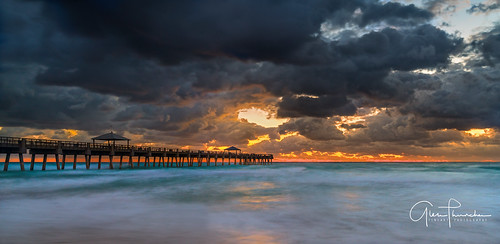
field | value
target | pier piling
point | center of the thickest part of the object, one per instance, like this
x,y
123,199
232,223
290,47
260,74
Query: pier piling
x,y
6,164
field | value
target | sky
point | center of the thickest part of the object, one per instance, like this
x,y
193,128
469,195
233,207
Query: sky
x,y
318,80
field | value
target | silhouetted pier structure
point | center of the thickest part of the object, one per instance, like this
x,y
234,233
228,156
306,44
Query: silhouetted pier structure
x,y
153,156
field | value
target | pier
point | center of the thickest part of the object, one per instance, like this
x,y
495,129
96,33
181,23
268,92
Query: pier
x,y
64,152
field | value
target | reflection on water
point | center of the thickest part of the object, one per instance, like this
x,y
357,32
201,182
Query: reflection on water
x,y
282,203
351,202
249,187
252,237
350,195
260,202
258,195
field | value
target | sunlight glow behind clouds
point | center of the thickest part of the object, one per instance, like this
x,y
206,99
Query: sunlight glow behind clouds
x,y
487,132
260,117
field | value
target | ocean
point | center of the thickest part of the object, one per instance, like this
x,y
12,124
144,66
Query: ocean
x,y
279,203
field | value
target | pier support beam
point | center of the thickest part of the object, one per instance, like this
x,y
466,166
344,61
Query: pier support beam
x,y
56,156
110,161
121,161
32,166
88,158
132,152
44,163
63,161
21,161
99,162
75,158
6,164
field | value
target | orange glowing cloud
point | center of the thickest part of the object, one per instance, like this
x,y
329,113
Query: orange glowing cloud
x,y
71,133
289,134
318,156
357,119
259,140
486,132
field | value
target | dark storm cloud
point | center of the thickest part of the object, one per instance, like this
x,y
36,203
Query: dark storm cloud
x,y
172,31
352,126
399,49
422,47
484,7
441,136
465,100
392,126
394,14
462,99
170,118
489,45
134,78
358,67
205,30
323,106
406,129
313,128
441,6
399,88
145,81
24,103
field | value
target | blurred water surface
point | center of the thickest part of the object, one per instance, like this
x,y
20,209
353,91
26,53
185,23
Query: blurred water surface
x,y
281,203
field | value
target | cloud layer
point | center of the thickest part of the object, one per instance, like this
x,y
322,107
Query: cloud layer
x,y
176,73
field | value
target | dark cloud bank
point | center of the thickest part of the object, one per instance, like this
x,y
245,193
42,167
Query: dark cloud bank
x,y
171,69
484,7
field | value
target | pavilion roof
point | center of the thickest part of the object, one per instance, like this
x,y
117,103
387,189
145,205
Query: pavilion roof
x,y
232,148
110,137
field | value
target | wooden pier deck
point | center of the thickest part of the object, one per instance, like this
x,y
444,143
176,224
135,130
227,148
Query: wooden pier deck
x,y
152,156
